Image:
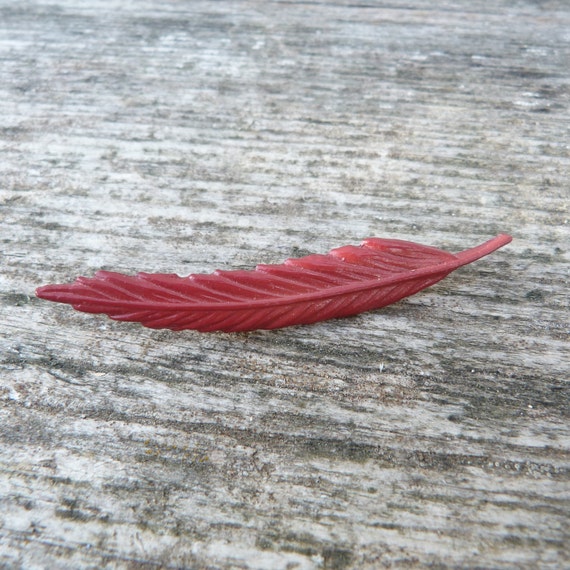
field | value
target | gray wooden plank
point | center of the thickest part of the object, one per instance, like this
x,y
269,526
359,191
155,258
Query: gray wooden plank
x,y
188,136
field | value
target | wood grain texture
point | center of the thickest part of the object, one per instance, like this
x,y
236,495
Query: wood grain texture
x,y
187,136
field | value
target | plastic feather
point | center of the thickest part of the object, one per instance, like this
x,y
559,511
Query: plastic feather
x,y
347,281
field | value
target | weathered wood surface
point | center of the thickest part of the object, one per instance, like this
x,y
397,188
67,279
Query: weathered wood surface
x,y
186,136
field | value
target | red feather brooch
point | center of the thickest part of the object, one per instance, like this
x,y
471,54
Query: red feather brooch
x,y
347,281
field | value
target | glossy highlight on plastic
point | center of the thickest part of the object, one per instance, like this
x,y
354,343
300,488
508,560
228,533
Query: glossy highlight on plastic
x,y
347,281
